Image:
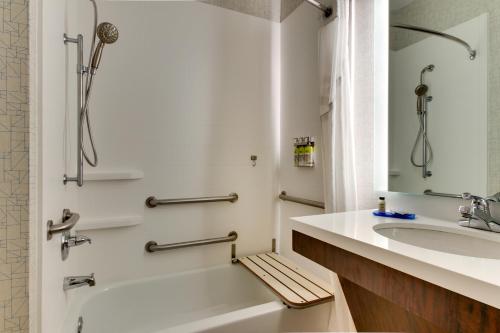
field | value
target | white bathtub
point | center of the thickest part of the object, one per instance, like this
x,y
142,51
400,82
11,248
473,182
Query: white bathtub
x,y
225,298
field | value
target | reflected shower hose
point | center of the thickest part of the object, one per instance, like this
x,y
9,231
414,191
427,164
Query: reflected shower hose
x,y
422,100
425,141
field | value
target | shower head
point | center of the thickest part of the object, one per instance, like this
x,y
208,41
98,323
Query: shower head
x,y
107,34
421,90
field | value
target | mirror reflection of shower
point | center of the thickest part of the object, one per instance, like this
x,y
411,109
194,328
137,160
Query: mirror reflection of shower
x,y
422,105
107,34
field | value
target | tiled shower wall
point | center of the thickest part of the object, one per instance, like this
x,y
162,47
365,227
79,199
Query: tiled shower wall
x,y
14,140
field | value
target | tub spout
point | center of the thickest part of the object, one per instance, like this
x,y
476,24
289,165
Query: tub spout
x,y
71,282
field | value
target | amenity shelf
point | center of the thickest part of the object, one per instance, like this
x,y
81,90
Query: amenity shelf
x,y
152,202
152,246
284,196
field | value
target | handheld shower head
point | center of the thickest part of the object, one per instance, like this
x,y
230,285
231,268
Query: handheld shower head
x,y
421,90
107,34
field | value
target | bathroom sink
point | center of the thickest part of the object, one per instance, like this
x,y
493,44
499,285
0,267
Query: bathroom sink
x,y
445,239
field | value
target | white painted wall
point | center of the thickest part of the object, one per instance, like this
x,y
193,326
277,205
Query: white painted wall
x,y
457,115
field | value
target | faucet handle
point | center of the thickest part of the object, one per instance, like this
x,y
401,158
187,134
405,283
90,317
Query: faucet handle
x,y
465,211
69,241
468,196
476,200
78,240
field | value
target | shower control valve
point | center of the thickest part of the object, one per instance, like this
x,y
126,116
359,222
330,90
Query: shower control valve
x,y
68,241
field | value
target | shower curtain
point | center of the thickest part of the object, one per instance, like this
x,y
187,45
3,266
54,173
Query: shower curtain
x,y
339,172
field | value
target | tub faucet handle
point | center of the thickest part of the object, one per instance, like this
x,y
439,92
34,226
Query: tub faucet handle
x,y
78,240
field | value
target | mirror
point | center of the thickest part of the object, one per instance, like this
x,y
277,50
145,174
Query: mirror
x,y
444,96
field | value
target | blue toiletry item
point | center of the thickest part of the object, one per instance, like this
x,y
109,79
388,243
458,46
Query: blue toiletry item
x,y
395,215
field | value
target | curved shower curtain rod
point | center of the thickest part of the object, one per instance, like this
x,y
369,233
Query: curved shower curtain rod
x,y
472,53
326,10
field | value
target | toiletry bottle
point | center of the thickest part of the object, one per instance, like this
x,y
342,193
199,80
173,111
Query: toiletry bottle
x,y
296,152
301,152
381,204
313,151
307,153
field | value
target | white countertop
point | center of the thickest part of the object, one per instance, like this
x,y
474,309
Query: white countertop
x,y
477,278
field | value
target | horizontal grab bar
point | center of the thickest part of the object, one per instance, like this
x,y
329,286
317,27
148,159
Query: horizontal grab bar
x,y
446,195
152,246
69,220
152,202
286,197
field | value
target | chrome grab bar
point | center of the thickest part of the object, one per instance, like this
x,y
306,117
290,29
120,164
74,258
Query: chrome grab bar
x,y
69,220
286,197
152,246
445,195
152,202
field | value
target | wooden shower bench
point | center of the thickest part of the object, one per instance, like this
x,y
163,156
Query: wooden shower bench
x,y
295,286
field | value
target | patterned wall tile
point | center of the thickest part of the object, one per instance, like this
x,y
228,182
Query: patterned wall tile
x,y
14,177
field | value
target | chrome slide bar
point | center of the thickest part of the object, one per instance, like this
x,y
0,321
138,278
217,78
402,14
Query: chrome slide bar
x,y
286,197
69,220
472,53
152,246
152,202
327,10
81,70
446,195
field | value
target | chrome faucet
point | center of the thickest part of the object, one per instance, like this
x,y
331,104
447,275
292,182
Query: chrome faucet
x,y
68,241
77,240
478,215
71,282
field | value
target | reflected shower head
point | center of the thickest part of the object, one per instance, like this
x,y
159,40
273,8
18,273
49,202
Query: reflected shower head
x,y
429,68
107,34
421,90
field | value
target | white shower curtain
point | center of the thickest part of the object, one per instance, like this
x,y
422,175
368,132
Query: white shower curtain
x,y
336,113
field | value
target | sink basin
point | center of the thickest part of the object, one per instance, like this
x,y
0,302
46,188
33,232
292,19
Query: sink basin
x,y
445,239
